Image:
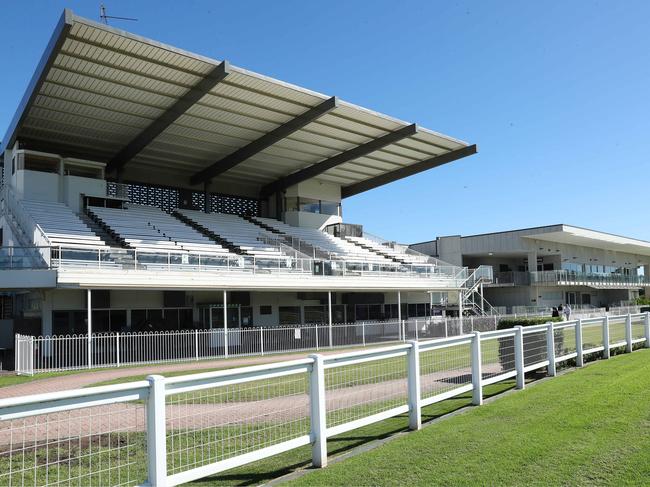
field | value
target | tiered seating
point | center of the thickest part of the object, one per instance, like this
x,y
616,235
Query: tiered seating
x,y
149,228
338,247
389,251
61,225
241,233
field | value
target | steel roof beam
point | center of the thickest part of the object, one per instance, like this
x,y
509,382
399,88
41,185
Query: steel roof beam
x,y
406,171
193,95
265,141
337,160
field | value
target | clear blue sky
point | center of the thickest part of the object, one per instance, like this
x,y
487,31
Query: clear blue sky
x,y
555,94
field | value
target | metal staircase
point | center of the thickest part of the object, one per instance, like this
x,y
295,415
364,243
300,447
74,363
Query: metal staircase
x,y
471,295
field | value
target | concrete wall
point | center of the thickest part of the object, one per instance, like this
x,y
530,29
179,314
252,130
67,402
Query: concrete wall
x,y
75,186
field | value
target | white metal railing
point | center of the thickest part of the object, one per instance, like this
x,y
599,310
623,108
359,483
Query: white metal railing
x,y
169,431
40,354
74,352
88,257
588,279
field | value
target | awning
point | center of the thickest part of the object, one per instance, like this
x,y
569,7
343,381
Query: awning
x,y
104,94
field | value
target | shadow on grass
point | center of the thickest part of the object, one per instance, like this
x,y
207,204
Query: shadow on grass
x,y
300,458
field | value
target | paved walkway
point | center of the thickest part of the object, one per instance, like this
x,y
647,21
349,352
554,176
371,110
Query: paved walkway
x,y
85,379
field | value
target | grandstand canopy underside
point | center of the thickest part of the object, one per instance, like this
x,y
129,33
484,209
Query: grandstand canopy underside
x,y
159,114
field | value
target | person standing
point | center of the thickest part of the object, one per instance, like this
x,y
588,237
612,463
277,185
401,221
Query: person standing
x,y
567,312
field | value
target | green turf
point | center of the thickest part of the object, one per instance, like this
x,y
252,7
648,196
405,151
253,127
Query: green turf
x,y
588,427
95,461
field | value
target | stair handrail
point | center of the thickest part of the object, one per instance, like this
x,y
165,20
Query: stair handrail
x,y
282,247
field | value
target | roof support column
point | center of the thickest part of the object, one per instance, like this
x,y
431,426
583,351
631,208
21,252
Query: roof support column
x,y
206,197
329,314
89,325
399,307
225,322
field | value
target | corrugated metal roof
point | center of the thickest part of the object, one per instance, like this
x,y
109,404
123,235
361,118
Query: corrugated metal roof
x,y
97,88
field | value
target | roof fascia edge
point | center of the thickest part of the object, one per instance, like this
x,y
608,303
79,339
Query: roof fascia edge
x,y
64,24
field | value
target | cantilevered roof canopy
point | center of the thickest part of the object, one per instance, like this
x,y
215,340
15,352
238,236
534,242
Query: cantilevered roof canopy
x,y
105,94
568,234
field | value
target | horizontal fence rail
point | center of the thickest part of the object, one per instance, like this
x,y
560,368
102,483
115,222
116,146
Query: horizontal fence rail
x,y
169,431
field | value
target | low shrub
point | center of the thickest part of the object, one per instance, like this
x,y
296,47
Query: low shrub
x,y
538,320
533,342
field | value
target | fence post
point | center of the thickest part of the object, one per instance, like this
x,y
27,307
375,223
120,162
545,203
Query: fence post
x,y
30,356
413,357
156,434
519,357
646,327
606,337
262,339
17,348
403,330
477,370
196,344
363,332
117,348
318,412
316,336
628,333
550,349
580,358
446,328
416,329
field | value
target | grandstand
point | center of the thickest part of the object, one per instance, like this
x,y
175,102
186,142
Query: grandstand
x,y
145,184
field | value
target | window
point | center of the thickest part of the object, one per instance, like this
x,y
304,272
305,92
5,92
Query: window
x,y
266,310
40,163
311,205
330,208
289,315
291,203
315,314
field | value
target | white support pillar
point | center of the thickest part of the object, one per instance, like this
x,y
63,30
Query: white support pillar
x,y
606,352
89,325
646,327
318,412
329,315
461,299
628,333
399,307
414,395
156,432
225,322
519,357
550,349
580,358
477,370
482,298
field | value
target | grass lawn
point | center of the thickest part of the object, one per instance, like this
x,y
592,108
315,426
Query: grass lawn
x,y
588,427
95,463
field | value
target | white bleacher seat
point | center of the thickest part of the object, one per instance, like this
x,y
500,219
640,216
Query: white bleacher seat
x,y
240,232
391,251
338,247
151,229
61,225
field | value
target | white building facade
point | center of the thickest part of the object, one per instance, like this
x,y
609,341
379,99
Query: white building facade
x,y
544,267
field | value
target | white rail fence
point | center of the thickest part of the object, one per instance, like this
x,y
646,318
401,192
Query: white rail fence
x,y
168,431
41,354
